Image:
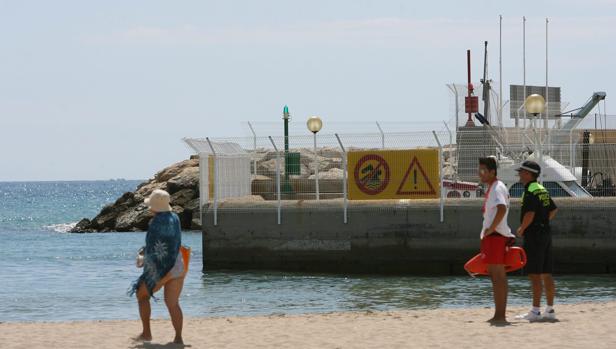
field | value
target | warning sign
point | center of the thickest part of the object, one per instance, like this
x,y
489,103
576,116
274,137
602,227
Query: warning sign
x,y
394,174
371,174
416,181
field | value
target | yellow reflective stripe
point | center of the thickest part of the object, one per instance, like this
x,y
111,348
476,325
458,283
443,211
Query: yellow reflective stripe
x,y
534,186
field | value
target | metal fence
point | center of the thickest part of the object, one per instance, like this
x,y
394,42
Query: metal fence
x,y
259,172
316,177
574,161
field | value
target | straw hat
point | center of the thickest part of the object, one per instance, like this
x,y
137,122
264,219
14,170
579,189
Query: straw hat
x,y
159,201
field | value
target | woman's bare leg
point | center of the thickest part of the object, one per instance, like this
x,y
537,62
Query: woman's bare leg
x,y
143,299
173,288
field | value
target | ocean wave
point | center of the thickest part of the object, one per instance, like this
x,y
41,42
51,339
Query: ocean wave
x,y
61,227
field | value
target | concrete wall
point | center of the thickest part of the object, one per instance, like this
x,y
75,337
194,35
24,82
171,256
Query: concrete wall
x,y
392,236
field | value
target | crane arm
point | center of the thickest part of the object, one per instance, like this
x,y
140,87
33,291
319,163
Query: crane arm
x,y
577,118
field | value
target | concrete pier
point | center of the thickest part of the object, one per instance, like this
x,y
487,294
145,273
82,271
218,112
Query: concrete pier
x,y
392,237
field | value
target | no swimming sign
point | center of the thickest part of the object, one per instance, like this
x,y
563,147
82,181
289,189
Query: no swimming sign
x,y
394,174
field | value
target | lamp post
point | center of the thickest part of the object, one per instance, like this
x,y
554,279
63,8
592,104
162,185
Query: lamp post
x,y
286,186
535,104
314,124
286,117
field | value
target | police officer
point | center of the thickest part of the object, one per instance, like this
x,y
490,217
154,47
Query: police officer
x,y
537,211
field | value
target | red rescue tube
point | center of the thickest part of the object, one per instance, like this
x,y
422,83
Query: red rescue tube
x,y
515,259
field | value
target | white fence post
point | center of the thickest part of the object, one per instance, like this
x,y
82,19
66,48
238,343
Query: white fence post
x,y
450,144
254,146
453,89
450,134
382,135
344,179
215,181
540,141
571,150
440,171
316,168
204,193
574,149
277,179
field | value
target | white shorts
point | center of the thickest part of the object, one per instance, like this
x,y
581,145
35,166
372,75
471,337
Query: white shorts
x,y
178,268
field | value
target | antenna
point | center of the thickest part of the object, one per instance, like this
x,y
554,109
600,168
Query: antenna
x,y
500,71
486,84
523,65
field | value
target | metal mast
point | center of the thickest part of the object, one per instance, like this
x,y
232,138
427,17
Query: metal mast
x,y
486,85
500,71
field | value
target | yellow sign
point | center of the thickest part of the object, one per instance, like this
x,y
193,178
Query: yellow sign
x,y
394,174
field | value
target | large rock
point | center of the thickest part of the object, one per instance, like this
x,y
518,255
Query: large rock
x,y
328,158
333,173
134,219
82,226
175,169
268,168
183,197
129,213
188,179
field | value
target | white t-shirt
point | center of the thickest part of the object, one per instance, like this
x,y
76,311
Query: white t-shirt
x,y
497,195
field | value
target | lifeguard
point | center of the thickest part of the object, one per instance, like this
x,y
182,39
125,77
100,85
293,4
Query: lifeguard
x,y
495,235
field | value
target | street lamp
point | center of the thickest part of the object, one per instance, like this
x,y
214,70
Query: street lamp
x,y
314,124
535,104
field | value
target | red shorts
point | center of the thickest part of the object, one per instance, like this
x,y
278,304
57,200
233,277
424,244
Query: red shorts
x,y
493,248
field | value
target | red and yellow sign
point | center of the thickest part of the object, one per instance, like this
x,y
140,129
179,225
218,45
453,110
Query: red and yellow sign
x,y
394,174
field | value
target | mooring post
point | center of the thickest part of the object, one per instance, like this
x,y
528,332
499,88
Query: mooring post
x,y
344,179
440,171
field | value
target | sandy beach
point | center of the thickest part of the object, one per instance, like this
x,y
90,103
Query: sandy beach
x,y
589,325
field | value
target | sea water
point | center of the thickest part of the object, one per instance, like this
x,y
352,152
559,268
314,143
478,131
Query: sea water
x,y
50,275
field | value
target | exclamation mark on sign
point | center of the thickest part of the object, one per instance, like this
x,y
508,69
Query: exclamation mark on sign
x,y
415,178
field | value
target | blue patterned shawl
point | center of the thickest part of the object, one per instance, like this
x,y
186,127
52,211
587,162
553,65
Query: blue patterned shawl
x,y
162,245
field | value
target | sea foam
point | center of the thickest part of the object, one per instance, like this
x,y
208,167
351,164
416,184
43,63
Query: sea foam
x,y
61,227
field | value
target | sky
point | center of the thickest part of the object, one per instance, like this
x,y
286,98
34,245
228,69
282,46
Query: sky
x,y
107,89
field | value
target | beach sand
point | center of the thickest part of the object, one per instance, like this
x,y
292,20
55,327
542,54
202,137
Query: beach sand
x,y
588,325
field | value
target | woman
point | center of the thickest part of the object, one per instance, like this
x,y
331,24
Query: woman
x,y
164,265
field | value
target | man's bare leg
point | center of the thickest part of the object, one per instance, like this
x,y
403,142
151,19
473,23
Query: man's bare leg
x,y
550,288
173,288
500,290
535,280
143,299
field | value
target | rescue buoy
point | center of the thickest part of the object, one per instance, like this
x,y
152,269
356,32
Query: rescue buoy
x,y
185,251
515,259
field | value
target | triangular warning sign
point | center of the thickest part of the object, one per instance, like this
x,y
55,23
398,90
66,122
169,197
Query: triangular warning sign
x,y
415,181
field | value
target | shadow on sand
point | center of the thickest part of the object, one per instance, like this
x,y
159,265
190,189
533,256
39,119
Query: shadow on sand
x,y
170,345
499,323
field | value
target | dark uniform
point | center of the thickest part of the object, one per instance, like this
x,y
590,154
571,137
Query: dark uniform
x,y
538,237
